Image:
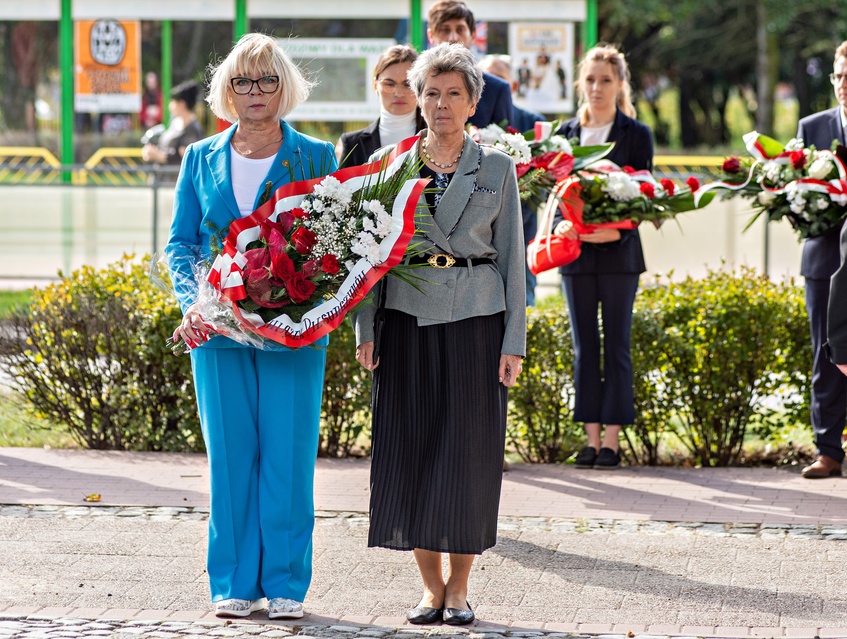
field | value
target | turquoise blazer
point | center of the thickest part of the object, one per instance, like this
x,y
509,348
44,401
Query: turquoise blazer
x,y
204,202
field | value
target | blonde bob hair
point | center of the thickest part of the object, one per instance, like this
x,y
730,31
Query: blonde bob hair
x,y
253,54
605,53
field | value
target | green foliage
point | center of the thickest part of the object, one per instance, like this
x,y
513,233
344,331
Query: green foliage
x,y
10,300
541,428
20,428
731,344
653,402
345,415
91,353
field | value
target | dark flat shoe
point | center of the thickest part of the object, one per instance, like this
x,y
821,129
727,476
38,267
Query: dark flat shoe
x,y
607,459
423,615
457,616
586,457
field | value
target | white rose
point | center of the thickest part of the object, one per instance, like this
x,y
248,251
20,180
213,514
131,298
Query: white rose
x,y
766,197
820,168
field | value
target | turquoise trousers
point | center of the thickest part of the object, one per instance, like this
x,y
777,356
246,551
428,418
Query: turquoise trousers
x,y
260,412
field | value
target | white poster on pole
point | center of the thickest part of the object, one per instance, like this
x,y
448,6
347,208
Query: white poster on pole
x,y
542,62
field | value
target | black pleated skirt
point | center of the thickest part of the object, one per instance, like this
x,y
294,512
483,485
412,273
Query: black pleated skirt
x,y
439,430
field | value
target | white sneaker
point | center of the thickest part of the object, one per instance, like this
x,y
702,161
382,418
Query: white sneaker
x,y
282,608
238,607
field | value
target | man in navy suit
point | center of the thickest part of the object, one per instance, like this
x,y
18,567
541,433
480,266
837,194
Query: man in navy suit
x,y
821,258
453,21
522,120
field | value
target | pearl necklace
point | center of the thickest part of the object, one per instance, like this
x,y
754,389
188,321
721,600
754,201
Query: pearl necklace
x,y
429,158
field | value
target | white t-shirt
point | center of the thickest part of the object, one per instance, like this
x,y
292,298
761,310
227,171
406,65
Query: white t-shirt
x,y
590,136
248,178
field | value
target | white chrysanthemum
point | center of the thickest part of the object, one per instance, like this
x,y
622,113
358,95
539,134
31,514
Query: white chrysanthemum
x,y
318,206
796,199
384,223
822,203
490,134
820,168
516,146
368,225
772,171
560,143
794,144
331,189
366,246
621,187
374,206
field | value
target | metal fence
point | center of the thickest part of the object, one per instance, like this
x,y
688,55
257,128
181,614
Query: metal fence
x,y
115,166
85,217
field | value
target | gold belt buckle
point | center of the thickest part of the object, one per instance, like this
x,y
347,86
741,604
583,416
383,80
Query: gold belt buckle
x,y
441,260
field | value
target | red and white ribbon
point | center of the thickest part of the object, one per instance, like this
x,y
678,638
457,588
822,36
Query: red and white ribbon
x,y
226,273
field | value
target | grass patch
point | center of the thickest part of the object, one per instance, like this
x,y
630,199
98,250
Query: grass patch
x,y
9,300
20,428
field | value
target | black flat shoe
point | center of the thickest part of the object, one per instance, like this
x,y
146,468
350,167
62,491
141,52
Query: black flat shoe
x,y
586,458
607,459
457,616
423,615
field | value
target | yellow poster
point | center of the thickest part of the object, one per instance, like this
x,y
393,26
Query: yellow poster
x,y
108,66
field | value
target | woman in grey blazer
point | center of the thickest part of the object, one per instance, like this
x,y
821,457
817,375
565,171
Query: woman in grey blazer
x,y
450,348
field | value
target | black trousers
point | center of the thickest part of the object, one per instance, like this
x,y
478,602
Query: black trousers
x,y
829,385
603,393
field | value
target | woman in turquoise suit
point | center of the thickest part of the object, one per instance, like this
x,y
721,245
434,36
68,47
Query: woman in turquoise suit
x,y
259,409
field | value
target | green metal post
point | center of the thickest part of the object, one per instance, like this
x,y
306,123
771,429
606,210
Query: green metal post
x,y
66,63
416,32
241,24
167,79
589,27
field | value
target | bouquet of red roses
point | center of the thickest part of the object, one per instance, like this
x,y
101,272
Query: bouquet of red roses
x,y
605,195
541,158
290,271
806,186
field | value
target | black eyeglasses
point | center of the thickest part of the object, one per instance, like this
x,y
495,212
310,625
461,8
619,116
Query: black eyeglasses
x,y
835,78
266,84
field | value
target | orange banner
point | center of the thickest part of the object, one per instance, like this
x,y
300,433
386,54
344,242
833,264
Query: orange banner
x,y
108,66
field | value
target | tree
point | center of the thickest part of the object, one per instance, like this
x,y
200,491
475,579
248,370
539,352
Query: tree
x,y
709,48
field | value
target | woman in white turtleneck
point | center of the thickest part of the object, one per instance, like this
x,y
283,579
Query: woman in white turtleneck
x,y
399,117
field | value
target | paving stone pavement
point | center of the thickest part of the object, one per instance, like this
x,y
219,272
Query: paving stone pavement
x,y
634,553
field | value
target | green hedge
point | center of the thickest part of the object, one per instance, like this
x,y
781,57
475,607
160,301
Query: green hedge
x,y
721,355
90,352
713,360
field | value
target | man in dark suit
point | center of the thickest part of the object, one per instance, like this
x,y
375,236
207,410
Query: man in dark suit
x,y
522,120
820,261
453,21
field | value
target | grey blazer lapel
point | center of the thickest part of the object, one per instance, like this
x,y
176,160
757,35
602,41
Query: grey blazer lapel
x,y
459,191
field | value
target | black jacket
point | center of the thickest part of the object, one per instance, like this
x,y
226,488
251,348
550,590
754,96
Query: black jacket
x,y
821,254
358,146
837,311
633,147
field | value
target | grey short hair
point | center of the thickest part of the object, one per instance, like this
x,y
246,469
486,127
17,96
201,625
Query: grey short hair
x,y
447,58
256,53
